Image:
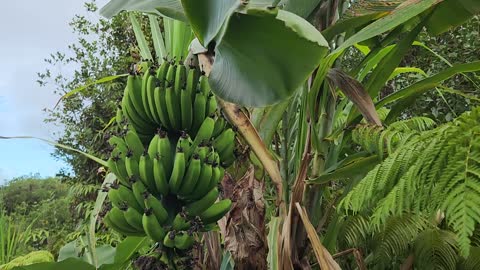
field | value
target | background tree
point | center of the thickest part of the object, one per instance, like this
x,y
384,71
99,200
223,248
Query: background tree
x,y
103,48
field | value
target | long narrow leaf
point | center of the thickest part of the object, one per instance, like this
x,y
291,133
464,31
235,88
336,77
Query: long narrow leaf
x,y
94,158
140,37
407,95
400,15
273,240
81,88
170,8
324,258
128,247
158,42
355,168
109,179
266,120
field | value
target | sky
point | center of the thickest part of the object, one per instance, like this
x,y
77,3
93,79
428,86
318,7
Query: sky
x,y
30,31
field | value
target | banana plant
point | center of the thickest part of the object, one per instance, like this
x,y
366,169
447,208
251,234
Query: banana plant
x,y
240,71
284,57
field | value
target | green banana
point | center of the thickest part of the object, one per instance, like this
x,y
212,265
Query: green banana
x,y
217,175
134,143
178,171
216,211
126,195
134,88
119,117
119,143
204,86
203,151
157,207
180,77
116,219
138,189
198,207
151,85
151,226
161,104
205,131
165,151
160,177
211,105
170,76
153,146
227,156
199,111
144,94
162,72
192,80
133,218
147,177
172,100
186,109
226,138
133,116
180,223
131,163
185,143
168,241
203,183
183,240
121,169
113,167
125,231
220,125
191,176
113,196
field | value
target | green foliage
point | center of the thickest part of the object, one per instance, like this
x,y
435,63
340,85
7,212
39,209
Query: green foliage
x,y
30,191
39,206
103,47
10,238
438,169
439,246
31,258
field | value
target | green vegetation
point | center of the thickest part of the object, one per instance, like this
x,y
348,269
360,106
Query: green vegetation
x,y
330,134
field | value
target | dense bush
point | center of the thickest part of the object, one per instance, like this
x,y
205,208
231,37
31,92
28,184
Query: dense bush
x,y
42,206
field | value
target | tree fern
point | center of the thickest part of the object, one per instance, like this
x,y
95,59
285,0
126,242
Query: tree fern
x,y
397,235
434,169
472,262
436,249
375,139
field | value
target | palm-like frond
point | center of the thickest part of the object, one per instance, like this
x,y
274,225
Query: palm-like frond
x,y
472,262
397,235
436,169
375,139
436,249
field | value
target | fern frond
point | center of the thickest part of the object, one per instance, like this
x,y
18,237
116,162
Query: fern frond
x,y
397,235
355,231
429,170
472,262
436,249
375,139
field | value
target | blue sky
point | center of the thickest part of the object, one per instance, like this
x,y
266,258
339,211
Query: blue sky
x,y
30,31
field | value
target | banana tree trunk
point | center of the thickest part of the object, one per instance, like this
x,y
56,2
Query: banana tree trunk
x,y
245,235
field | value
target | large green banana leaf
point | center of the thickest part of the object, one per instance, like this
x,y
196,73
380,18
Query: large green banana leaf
x,y
169,8
207,17
253,65
259,62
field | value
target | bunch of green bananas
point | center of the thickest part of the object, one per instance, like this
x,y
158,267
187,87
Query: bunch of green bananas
x,y
171,97
168,177
168,190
